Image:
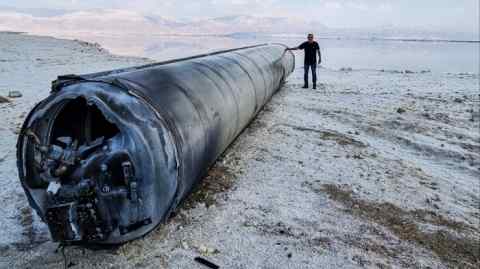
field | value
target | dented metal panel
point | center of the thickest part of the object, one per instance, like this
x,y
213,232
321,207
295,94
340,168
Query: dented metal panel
x,y
107,156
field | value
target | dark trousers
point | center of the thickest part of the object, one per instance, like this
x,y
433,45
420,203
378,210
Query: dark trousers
x,y
314,73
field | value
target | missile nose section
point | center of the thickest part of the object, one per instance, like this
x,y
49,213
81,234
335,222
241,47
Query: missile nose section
x,y
108,156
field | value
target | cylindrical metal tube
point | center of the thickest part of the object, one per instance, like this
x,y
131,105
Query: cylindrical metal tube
x,y
107,156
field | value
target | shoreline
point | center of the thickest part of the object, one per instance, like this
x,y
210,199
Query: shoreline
x,y
99,46
355,54
91,44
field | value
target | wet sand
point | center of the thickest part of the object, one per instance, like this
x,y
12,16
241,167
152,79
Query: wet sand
x,y
376,169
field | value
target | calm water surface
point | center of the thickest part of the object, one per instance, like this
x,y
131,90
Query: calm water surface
x,y
439,56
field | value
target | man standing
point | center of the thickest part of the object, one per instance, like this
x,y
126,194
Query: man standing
x,y
311,49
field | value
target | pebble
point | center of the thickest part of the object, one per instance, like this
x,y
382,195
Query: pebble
x,y
207,250
212,250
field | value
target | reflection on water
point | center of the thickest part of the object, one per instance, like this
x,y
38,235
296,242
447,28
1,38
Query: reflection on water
x,y
358,54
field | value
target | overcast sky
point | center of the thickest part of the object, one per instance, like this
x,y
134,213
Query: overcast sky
x,y
457,15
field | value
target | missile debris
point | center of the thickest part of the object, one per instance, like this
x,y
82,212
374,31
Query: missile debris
x,y
108,156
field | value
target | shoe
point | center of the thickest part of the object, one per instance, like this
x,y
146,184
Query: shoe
x,y
305,87
314,86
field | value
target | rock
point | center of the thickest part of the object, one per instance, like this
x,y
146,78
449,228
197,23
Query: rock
x,y
4,99
202,249
358,157
409,72
15,94
401,110
207,250
184,245
458,100
212,250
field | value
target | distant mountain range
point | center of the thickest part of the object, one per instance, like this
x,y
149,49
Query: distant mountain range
x,y
125,22
59,22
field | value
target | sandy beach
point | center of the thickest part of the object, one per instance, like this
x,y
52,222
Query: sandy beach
x,y
374,169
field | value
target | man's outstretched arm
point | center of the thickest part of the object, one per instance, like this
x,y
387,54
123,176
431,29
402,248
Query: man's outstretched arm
x,y
294,48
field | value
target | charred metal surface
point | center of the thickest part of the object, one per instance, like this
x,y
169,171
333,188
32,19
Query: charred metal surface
x,y
107,156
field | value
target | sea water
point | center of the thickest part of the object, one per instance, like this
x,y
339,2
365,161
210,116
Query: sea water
x,y
446,56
